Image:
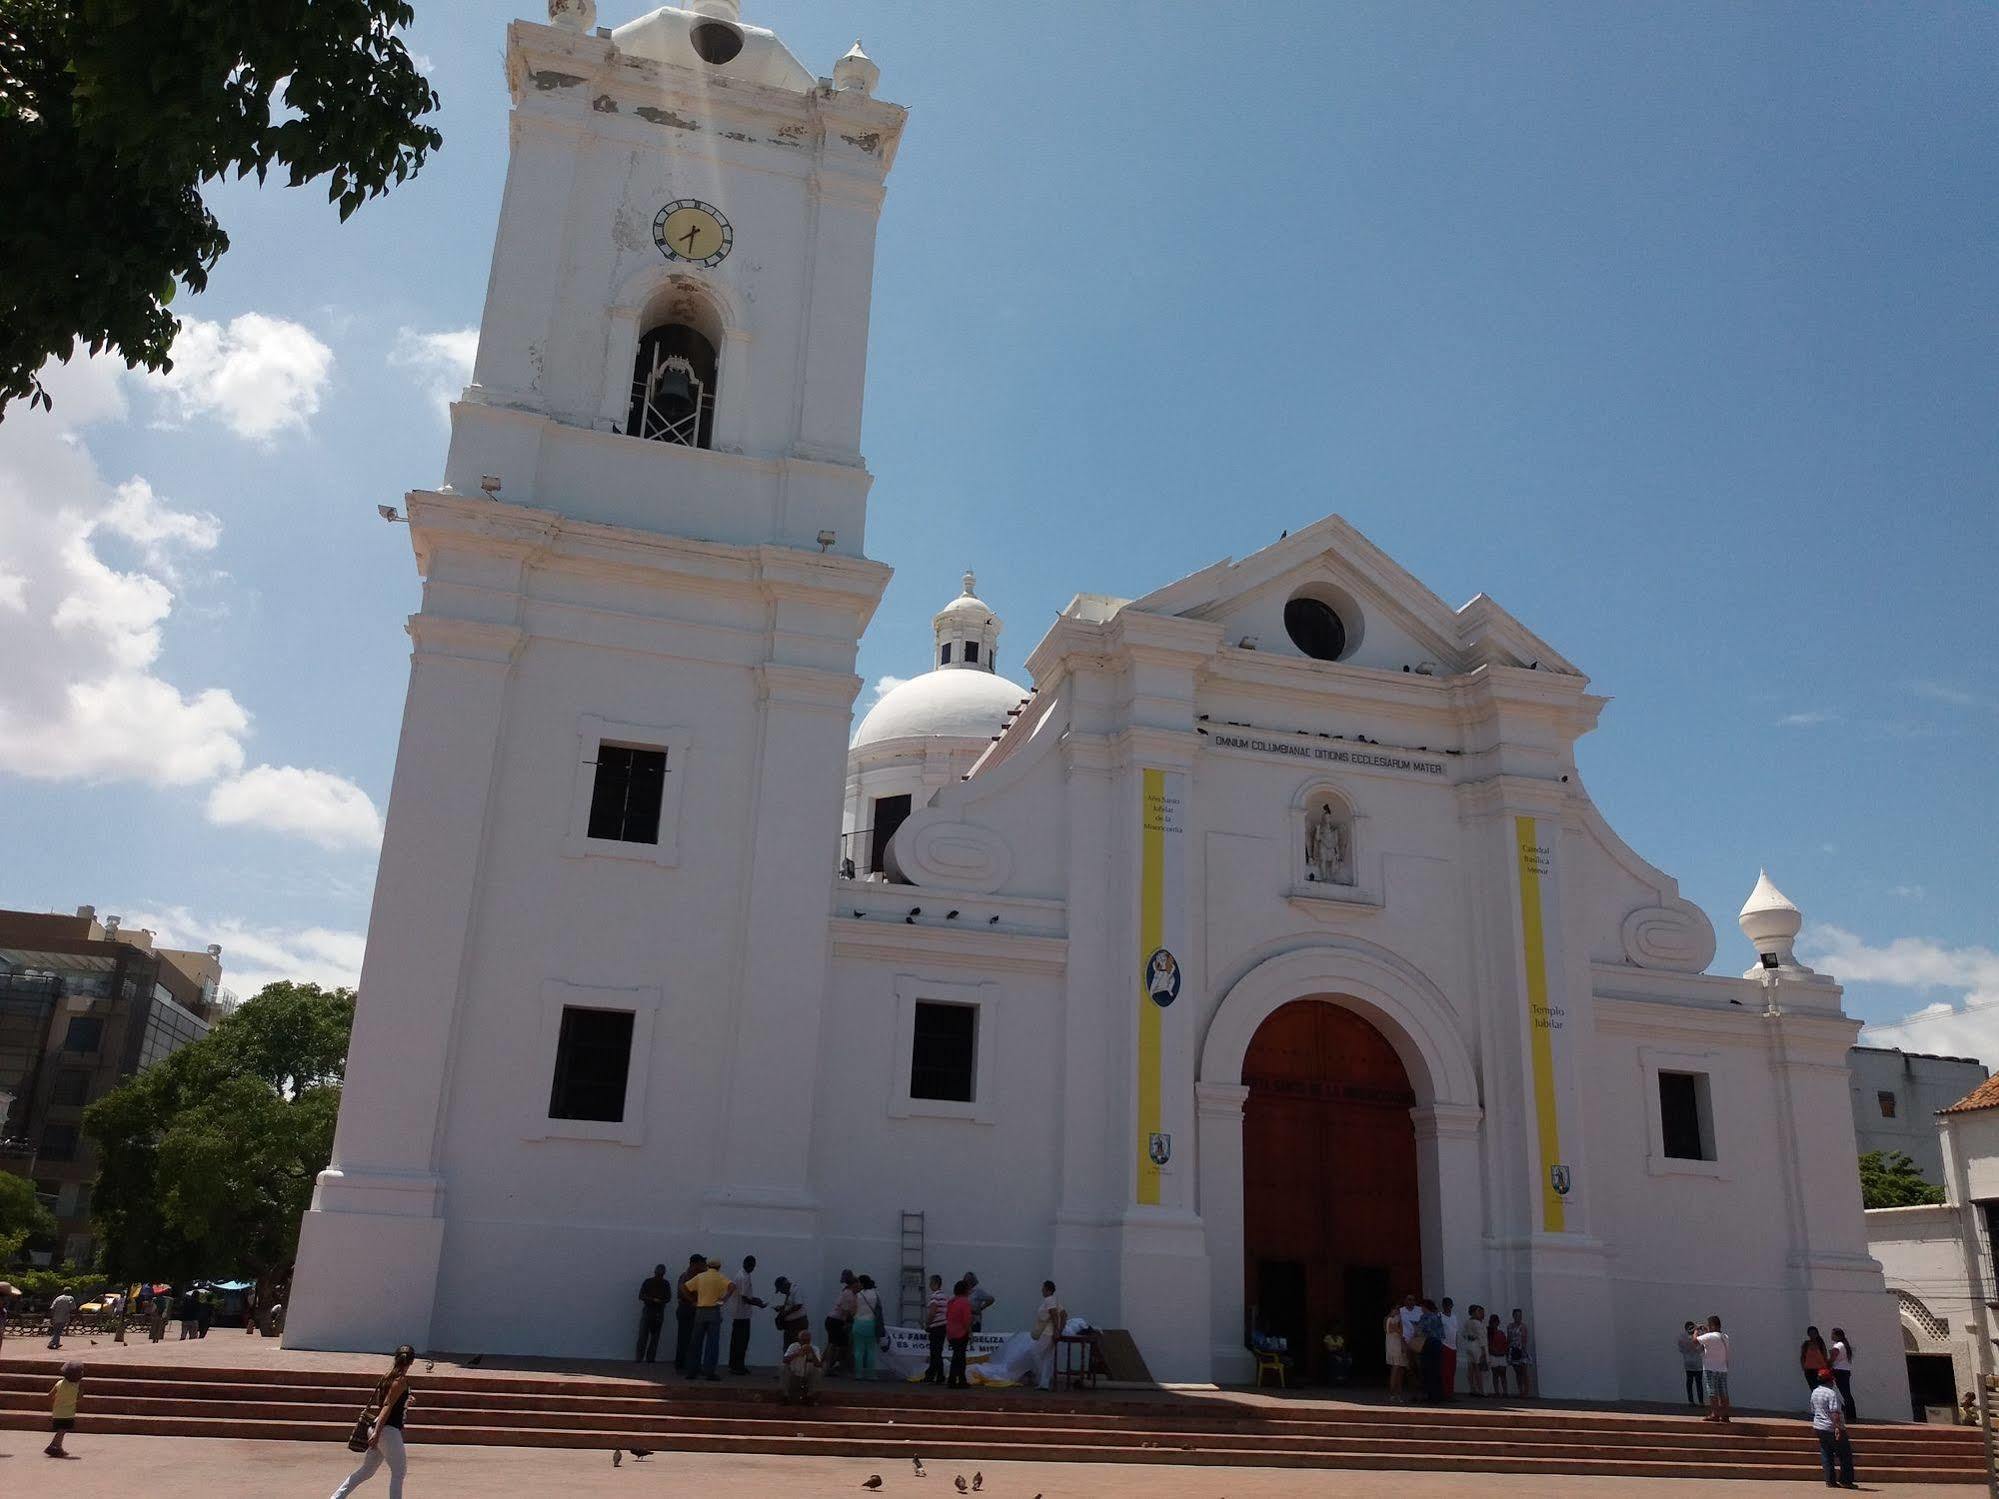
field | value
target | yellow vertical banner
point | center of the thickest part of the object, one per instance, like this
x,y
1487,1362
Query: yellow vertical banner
x,y
1160,918
1542,1022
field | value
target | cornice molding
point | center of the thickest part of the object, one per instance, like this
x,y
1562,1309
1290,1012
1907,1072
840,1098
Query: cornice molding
x,y
892,942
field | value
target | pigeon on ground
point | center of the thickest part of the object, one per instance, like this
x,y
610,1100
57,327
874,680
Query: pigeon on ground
x,y
872,1481
641,1452
617,1456
978,1482
919,1467
474,1361
963,1487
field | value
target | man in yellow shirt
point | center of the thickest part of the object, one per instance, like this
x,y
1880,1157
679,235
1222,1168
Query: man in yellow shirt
x,y
710,1289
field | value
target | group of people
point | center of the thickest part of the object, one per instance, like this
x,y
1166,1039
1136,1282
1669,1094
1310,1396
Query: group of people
x,y
1424,1342
1704,1358
704,1299
195,1311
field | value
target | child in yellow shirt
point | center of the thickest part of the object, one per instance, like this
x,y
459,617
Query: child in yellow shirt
x,y
63,1395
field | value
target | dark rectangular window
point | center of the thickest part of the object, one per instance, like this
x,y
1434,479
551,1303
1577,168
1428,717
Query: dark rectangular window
x,y
891,812
85,1034
944,655
58,1142
71,1087
1887,1102
1683,1125
943,1051
625,801
972,652
593,1055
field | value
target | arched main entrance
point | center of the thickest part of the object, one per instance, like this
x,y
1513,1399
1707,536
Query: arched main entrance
x,y
1332,1233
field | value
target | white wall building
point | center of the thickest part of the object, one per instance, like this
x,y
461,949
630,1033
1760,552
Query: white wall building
x,y
1897,1096
1272,955
1938,1260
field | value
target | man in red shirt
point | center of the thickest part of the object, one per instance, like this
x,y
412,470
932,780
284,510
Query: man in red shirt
x,y
958,1330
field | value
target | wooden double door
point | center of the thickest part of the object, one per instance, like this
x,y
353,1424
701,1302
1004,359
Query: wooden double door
x,y
1331,1230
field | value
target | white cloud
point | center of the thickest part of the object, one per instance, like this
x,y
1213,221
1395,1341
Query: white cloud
x,y
885,685
258,375
328,809
79,698
1946,692
1966,1028
255,955
1908,892
441,361
1906,962
81,633
1808,720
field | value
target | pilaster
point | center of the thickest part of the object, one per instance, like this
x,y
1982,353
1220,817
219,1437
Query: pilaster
x,y
368,1249
763,1186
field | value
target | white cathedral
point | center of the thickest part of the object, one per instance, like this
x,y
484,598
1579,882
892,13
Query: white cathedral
x,y
1262,958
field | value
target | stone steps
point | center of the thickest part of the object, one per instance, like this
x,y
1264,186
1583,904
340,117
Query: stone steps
x,y
886,1424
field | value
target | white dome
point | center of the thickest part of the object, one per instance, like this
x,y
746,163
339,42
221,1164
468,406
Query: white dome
x,y
941,705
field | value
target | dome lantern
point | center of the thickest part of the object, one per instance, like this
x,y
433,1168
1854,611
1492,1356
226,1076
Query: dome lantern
x,y
967,631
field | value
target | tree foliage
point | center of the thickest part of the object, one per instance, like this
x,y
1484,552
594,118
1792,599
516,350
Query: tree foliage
x,y
22,1216
115,113
1889,1179
207,1159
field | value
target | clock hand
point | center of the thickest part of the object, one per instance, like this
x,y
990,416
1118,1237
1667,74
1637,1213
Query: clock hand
x,y
692,230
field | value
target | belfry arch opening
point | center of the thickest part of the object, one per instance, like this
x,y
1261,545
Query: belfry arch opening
x,y
676,375
1332,1231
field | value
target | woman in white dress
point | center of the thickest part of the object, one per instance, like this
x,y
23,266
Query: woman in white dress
x,y
1396,1352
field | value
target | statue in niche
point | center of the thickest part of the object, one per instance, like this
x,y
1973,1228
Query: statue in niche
x,y
1328,847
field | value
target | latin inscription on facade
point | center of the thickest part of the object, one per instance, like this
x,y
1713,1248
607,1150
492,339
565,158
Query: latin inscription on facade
x,y
1328,754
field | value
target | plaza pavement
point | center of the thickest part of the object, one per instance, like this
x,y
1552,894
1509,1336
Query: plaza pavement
x,y
121,1467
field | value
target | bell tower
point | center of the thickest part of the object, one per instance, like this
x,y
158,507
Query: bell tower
x,y
589,1015
684,258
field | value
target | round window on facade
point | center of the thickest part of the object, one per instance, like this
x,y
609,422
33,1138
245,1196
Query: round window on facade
x,y
1315,628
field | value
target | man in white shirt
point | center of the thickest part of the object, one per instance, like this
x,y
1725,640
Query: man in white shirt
x,y
1049,1320
1714,1370
1829,1426
1411,1312
736,1312
802,1366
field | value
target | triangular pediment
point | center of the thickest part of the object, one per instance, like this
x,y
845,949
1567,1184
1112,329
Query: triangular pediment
x,y
1399,621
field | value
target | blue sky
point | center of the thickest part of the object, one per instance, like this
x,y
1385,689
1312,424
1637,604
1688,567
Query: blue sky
x,y
1672,328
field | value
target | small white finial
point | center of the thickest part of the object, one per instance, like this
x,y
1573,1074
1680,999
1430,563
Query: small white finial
x,y
856,72
1770,921
573,15
971,584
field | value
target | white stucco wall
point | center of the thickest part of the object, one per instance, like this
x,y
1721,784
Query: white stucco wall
x,y
1921,1086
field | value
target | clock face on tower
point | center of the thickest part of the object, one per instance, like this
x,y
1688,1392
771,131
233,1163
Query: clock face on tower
x,y
688,229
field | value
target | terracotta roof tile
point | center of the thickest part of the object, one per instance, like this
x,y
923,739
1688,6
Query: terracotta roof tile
x,y
1984,1096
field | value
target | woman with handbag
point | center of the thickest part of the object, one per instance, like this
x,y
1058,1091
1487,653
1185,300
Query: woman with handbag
x,y
379,1432
868,1326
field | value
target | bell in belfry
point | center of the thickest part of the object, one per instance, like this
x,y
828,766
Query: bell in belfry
x,y
671,385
